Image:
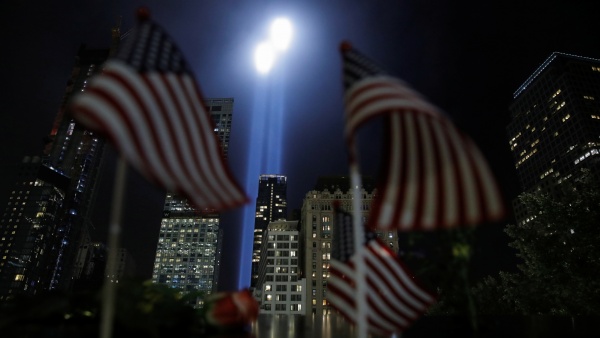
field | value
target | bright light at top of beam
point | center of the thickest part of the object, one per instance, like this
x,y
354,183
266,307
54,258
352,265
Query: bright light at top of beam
x,y
281,33
264,57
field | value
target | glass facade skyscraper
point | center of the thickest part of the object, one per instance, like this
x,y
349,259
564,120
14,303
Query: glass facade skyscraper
x,y
271,205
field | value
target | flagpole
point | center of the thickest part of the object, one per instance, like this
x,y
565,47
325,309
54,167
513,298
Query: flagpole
x,y
114,232
361,294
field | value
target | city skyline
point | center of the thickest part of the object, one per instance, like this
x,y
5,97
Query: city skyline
x,y
467,59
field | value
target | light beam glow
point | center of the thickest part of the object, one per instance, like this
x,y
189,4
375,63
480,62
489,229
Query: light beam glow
x,y
265,138
266,53
264,57
281,33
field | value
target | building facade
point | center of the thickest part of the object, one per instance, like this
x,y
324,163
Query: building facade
x,y
317,227
271,205
555,124
188,249
188,253
279,288
56,192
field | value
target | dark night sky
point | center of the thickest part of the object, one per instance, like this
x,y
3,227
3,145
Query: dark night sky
x,y
466,57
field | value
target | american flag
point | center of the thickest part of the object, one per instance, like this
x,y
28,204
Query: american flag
x,y
147,102
433,175
394,298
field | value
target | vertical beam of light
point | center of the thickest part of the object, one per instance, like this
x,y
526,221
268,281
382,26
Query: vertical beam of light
x,y
265,144
274,144
265,136
255,152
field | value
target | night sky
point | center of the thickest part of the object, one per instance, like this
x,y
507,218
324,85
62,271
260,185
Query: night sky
x,y
467,58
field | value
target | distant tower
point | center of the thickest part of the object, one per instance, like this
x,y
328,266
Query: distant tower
x,y
271,205
555,124
50,207
279,288
317,229
188,253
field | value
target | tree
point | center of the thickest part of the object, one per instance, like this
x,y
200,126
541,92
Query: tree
x,y
559,246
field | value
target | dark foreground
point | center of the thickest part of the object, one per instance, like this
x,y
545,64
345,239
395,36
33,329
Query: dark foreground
x,y
332,326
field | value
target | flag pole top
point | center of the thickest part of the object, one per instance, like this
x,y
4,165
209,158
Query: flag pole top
x,y
143,14
345,46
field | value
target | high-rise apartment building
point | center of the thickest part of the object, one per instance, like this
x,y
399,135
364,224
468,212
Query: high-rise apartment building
x,y
317,226
555,123
50,206
279,288
271,205
188,253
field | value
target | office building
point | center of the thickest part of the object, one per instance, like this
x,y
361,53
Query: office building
x,y
317,227
279,288
271,205
188,249
555,124
188,253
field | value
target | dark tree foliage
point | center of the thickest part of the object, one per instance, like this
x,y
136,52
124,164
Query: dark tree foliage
x,y
559,247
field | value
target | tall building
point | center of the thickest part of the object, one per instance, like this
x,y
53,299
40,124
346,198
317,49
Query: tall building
x,y
50,206
279,288
317,227
29,228
271,205
555,123
188,253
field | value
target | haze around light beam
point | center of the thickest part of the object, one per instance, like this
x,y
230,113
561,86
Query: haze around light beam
x,y
266,53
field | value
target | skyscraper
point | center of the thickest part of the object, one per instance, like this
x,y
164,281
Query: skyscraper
x,y
50,206
271,205
555,123
188,253
317,230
